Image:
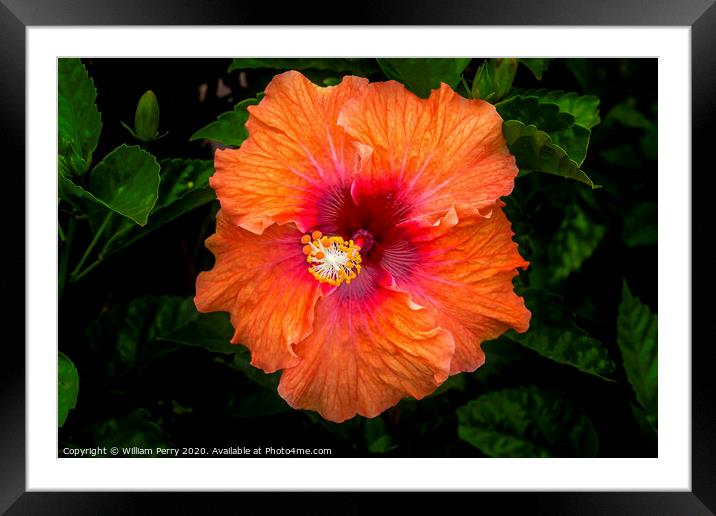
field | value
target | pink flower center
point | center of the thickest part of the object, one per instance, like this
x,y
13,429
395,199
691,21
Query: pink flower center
x,y
369,217
364,240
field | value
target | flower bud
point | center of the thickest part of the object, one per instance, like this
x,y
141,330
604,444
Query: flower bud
x,y
146,119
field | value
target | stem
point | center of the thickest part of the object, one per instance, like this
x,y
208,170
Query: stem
x,y
90,268
74,274
65,256
61,233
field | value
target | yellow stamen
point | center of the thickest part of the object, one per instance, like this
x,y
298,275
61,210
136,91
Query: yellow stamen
x,y
305,239
332,260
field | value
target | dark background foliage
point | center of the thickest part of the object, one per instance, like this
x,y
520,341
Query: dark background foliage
x,y
146,379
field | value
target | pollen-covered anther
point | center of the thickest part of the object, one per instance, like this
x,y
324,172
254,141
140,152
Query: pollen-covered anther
x,y
331,259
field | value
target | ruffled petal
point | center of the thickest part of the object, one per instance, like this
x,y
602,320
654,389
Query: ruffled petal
x,y
366,354
442,151
466,266
264,283
295,154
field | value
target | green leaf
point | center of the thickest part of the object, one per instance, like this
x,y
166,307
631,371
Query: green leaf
x,y
574,141
194,198
257,403
356,66
584,108
75,195
554,334
242,362
128,336
421,75
575,241
130,431
591,75
212,332
229,128
626,114
646,425
650,143
637,340
640,224
79,121
548,117
527,422
68,386
566,117
376,436
493,79
535,152
184,186
347,432
502,356
536,66
622,155
456,382
127,181
179,178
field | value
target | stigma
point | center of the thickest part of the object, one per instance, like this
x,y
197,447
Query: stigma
x,y
331,260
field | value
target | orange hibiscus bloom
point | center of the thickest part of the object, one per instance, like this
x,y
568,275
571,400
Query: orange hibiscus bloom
x,y
361,245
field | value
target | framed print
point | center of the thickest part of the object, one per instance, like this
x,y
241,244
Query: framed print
x,y
344,258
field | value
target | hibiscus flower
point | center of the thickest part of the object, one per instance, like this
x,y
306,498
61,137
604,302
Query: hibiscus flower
x,y
361,246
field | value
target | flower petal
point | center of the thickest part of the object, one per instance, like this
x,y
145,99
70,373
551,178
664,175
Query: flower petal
x,y
467,264
445,150
294,154
366,354
264,283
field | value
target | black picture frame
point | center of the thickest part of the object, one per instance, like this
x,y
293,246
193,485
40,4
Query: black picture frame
x,y
17,15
